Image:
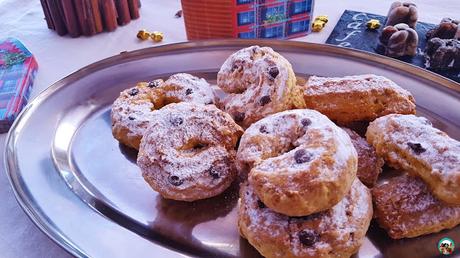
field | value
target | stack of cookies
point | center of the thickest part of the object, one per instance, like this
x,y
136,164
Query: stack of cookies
x,y
302,198
427,200
304,176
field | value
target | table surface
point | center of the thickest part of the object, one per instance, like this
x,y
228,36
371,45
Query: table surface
x,y
60,56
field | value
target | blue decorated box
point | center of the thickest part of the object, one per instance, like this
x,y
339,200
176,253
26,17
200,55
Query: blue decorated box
x,y
17,71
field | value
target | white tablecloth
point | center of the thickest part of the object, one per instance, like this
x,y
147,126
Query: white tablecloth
x,y
60,56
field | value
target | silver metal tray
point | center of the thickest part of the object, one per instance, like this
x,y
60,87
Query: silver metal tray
x,y
85,191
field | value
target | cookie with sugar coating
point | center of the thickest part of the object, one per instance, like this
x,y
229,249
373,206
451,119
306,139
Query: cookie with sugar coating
x,y
336,232
299,162
259,82
405,207
412,144
136,106
356,98
188,151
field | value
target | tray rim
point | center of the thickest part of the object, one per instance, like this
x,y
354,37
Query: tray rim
x,y
10,158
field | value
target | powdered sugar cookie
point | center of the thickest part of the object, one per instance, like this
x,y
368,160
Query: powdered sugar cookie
x,y
188,152
336,232
134,108
259,82
357,98
405,207
412,144
299,162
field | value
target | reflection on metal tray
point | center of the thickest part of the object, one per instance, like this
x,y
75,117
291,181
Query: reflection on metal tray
x,y
85,191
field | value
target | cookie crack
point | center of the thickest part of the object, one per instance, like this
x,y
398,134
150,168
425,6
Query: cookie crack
x,y
291,242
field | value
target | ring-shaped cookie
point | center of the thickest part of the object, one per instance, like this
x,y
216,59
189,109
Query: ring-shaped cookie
x,y
259,82
188,152
299,161
336,232
134,108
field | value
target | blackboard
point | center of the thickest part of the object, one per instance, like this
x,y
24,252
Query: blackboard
x,y
351,31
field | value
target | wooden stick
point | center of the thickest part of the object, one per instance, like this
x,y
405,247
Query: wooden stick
x,y
97,15
46,11
55,12
81,14
109,14
124,16
70,18
88,17
90,22
134,8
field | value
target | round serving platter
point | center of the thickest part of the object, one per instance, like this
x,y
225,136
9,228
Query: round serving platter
x,y
84,190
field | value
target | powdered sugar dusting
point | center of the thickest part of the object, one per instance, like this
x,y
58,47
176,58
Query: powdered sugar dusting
x,y
406,208
188,88
357,98
346,222
271,143
357,83
261,219
192,143
131,113
440,155
259,82
343,226
135,107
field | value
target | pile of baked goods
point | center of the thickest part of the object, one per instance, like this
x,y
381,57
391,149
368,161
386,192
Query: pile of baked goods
x,y
308,184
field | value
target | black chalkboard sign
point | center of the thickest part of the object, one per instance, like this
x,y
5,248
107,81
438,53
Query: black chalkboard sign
x,y
351,31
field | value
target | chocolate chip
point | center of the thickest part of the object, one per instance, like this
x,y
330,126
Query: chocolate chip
x,y
130,118
308,237
214,173
176,121
133,92
263,129
188,91
153,84
260,204
305,122
265,100
301,156
273,71
239,116
175,180
416,147
199,146
236,67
